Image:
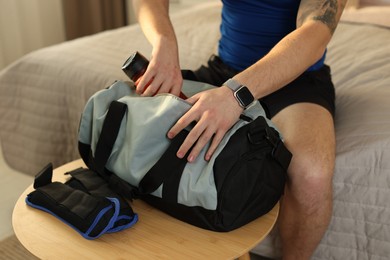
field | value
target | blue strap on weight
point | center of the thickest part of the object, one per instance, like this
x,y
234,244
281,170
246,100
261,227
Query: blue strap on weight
x,y
86,234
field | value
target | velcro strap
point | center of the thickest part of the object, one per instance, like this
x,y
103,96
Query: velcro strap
x,y
94,184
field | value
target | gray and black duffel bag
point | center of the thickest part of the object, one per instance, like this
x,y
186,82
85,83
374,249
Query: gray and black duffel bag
x,y
122,137
122,140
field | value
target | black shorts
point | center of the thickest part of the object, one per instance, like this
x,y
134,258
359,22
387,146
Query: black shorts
x,y
312,86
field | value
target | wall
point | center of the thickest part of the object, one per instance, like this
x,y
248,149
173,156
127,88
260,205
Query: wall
x,y
27,25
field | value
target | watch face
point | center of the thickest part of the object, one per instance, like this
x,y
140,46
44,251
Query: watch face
x,y
244,96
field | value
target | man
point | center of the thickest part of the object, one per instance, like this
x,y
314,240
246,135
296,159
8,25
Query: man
x,y
276,50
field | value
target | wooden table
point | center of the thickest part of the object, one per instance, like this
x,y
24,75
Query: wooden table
x,y
155,236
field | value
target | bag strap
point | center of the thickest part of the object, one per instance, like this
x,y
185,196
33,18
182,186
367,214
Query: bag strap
x,y
104,146
279,151
167,170
108,135
282,154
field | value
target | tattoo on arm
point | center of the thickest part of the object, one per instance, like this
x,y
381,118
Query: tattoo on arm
x,y
325,11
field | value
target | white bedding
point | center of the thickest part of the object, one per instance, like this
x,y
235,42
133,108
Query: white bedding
x,y
43,94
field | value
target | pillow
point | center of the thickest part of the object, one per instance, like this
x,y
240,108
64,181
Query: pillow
x,y
373,2
377,15
352,4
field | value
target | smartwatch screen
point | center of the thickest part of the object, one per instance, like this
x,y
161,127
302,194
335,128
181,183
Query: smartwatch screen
x,y
244,96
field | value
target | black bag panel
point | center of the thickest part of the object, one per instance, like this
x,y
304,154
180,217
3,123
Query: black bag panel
x,y
243,182
203,218
251,189
197,216
261,195
237,147
249,180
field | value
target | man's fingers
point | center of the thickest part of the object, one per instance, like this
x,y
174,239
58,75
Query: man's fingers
x,y
182,123
190,140
213,121
200,143
154,86
193,135
143,83
217,138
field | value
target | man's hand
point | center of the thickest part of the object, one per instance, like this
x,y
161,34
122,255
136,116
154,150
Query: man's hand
x,y
163,74
215,111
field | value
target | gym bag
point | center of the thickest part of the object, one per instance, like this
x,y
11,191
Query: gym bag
x,y
122,137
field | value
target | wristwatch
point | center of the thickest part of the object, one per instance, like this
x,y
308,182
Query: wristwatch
x,y
241,93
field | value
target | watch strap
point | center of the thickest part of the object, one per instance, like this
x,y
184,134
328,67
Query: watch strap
x,y
240,92
232,84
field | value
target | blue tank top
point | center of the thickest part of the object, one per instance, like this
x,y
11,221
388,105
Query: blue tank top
x,y
251,28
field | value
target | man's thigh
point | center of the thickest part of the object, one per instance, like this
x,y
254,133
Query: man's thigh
x,y
308,132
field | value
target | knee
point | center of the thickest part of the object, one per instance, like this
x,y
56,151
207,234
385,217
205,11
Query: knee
x,y
310,180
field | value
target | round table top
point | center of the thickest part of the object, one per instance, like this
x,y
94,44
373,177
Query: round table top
x,y
155,236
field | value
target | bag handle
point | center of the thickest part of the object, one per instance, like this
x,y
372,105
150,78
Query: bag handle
x,y
167,170
103,149
108,135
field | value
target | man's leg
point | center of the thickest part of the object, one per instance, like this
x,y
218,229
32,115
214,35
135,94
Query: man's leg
x,y
306,206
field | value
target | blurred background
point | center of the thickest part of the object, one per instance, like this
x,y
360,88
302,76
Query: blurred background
x,y
27,25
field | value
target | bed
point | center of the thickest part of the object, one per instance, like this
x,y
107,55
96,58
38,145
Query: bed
x,y
43,94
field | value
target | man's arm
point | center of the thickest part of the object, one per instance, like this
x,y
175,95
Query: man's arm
x,y
316,22
215,111
163,72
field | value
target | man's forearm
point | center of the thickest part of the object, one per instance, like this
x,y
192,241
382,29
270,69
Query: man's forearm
x,y
316,22
153,16
286,61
